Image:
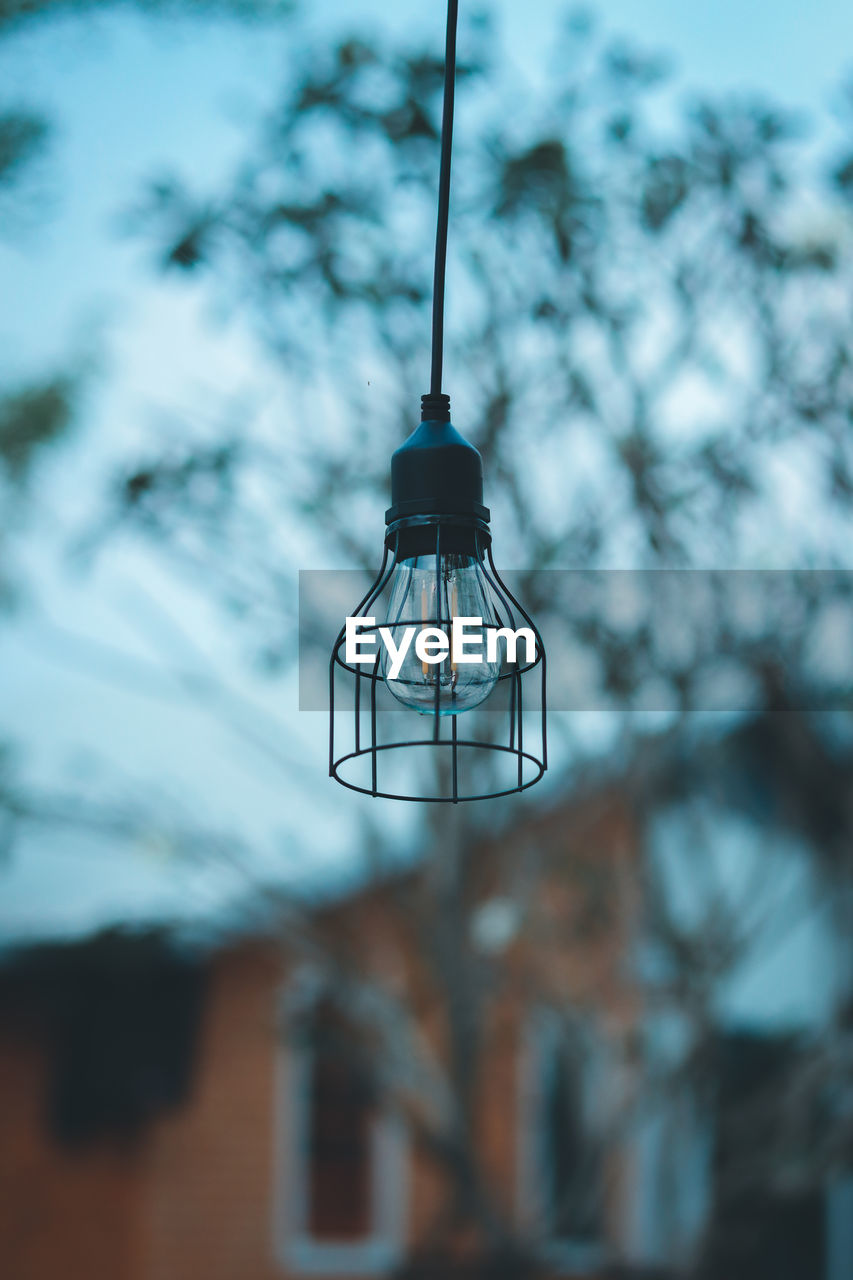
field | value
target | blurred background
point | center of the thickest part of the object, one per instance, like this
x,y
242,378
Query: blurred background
x,y
251,1025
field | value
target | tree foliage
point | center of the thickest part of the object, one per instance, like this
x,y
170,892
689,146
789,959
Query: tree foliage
x,y
649,340
649,332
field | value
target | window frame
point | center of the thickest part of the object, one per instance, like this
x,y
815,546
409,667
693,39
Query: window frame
x,y
541,1035
295,1247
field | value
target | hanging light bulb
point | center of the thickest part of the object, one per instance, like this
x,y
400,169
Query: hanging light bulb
x,y
438,571
437,531
438,568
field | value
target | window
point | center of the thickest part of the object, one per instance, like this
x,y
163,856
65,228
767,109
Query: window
x,y
341,1115
839,1230
560,1171
340,1186
568,1156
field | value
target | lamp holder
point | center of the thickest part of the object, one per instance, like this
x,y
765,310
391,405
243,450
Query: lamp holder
x,y
436,472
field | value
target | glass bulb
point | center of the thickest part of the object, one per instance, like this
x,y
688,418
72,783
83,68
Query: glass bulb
x,y
421,593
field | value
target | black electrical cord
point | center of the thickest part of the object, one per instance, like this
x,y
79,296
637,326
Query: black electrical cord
x,y
443,200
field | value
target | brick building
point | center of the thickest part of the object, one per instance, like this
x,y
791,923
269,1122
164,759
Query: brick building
x,y
169,1113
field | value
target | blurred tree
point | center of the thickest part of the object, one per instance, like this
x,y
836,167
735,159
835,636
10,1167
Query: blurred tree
x,y
649,340
22,136
39,414
16,13
648,326
34,416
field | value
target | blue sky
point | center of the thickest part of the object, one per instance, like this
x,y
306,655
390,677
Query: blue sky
x,y
134,98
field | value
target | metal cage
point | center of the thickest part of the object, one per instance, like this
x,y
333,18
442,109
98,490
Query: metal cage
x,y
506,750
